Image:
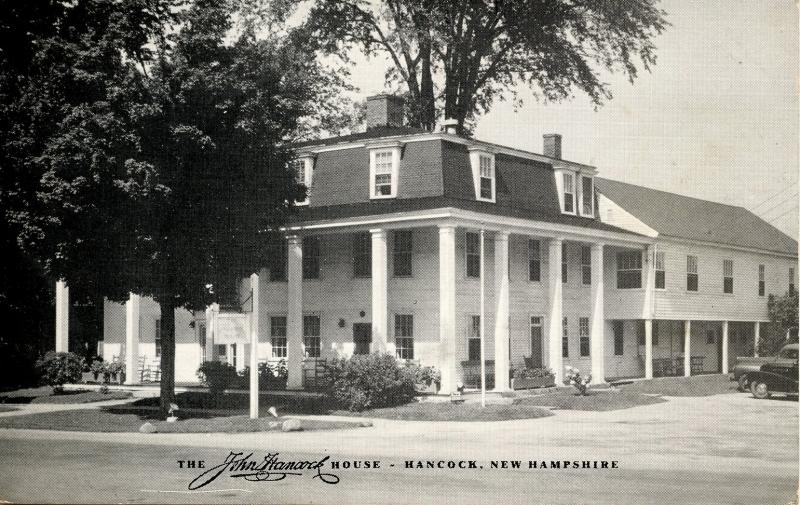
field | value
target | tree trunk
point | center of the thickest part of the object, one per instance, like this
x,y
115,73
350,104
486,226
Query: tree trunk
x,y
427,113
167,354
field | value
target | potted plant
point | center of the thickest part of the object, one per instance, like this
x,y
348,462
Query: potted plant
x,y
98,367
427,379
115,372
529,378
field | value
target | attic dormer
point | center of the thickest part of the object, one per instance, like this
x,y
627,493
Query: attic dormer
x,y
484,174
575,183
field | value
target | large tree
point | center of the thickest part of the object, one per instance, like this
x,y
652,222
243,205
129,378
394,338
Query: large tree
x,y
461,56
156,159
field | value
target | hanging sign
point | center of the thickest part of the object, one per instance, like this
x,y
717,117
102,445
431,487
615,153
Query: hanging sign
x,y
232,329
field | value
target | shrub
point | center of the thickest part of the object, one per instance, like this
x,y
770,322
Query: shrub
x,y
425,375
574,378
115,370
58,368
271,376
217,376
370,381
98,367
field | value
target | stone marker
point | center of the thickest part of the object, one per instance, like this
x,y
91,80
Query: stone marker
x,y
274,425
291,425
365,424
147,428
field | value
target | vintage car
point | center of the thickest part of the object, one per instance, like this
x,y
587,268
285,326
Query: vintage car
x,y
779,376
745,365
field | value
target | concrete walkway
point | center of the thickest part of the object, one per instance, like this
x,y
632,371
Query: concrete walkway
x,y
21,409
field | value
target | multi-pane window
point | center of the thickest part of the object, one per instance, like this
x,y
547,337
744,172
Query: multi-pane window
x,y
383,173
791,281
277,261
564,268
486,177
158,338
661,274
629,269
298,168
311,257
362,254
277,333
727,276
473,249
583,333
565,338
619,337
311,336
404,335
692,278
474,339
587,196
586,265
761,280
534,260
569,192
403,253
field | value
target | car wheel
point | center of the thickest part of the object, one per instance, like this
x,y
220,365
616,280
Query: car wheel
x,y
743,383
759,389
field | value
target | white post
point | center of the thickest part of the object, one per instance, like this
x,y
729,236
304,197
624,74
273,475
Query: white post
x,y
294,319
687,349
254,297
724,347
597,335
380,294
483,321
501,364
62,316
210,321
132,309
556,313
648,348
756,338
447,307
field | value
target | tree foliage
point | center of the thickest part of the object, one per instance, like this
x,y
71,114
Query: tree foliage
x,y
461,56
145,145
783,323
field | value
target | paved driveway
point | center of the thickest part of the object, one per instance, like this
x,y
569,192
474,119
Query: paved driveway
x,y
723,449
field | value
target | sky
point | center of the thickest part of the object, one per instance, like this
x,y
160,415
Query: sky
x,y
717,118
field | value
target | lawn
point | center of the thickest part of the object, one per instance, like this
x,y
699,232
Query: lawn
x,y
45,394
129,420
445,411
596,400
3,408
698,385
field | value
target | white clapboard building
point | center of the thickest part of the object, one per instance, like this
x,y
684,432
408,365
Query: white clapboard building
x,y
403,229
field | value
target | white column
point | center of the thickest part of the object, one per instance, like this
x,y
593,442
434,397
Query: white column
x,y
254,297
597,335
62,316
756,338
724,347
447,308
501,361
648,348
555,290
294,314
132,309
687,349
380,294
650,282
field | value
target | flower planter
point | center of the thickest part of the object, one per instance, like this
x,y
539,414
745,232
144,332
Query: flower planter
x,y
533,382
432,388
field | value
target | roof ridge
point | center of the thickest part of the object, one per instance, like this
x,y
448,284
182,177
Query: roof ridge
x,y
677,194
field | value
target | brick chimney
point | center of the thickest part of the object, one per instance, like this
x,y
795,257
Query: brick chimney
x,y
552,145
384,110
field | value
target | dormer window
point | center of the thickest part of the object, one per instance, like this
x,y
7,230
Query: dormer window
x,y
569,192
483,173
303,168
383,173
587,196
384,163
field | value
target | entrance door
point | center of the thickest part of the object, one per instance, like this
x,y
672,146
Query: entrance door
x,y
362,337
536,341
